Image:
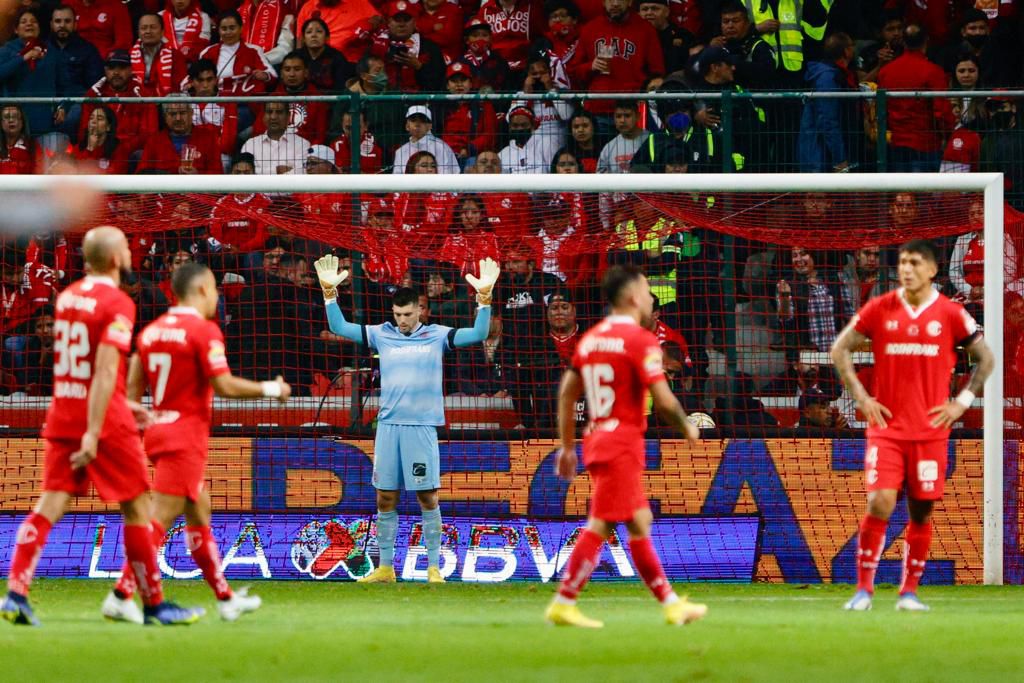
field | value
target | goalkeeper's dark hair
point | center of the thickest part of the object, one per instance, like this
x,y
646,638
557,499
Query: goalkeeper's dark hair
x,y
404,296
185,276
925,248
616,280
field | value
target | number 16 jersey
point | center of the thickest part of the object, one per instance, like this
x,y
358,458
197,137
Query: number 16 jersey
x,y
618,361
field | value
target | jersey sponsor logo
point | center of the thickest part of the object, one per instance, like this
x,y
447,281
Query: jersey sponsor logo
x,y
930,350
934,328
407,350
70,390
602,344
163,334
71,301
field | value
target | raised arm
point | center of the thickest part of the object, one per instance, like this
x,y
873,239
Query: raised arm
x,y
467,336
330,277
848,341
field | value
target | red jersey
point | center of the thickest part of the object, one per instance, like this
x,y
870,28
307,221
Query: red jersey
x,y
90,312
107,24
513,31
636,56
914,359
180,351
618,361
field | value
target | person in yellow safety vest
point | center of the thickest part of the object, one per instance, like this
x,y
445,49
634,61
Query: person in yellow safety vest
x,y
642,244
783,23
746,125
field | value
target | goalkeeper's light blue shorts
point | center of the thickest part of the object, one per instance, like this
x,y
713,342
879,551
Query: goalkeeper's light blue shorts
x,y
406,453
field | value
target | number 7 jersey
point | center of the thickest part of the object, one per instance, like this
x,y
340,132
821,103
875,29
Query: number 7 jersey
x,y
180,351
90,312
618,360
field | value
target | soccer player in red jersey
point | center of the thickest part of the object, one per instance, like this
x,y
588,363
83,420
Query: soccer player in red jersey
x,y
615,364
91,430
914,332
181,358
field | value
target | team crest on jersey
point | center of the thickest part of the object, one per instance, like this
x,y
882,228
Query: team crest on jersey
x,y
913,330
934,328
322,547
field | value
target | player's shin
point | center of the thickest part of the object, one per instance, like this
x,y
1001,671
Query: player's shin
x,y
870,544
28,547
126,584
648,564
140,551
915,555
205,554
581,564
387,531
432,536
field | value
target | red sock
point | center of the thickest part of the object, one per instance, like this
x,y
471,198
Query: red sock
x,y
649,565
581,563
28,547
125,586
870,544
915,554
207,557
140,550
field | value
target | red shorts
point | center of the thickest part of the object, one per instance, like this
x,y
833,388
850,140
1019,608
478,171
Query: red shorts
x,y
179,473
920,465
617,489
118,472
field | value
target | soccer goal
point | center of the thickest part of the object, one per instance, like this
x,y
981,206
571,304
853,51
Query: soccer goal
x,y
722,253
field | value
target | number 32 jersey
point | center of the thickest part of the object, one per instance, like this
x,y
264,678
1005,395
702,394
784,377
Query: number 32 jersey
x,y
619,361
180,351
90,312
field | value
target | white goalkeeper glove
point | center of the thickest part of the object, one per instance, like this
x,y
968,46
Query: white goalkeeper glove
x,y
484,285
329,275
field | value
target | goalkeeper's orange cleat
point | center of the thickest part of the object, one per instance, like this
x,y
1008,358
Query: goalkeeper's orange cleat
x,y
682,612
434,575
561,614
381,574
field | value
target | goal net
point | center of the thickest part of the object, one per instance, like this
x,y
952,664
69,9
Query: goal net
x,y
755,276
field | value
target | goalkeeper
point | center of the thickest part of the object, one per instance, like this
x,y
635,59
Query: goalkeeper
x,y
411,403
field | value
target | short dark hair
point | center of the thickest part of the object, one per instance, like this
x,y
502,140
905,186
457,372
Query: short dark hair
x,y
230,14
159,18
243,158
404,296
67,8
199,66
295,54
734,7
836,45
552,6
616,279
914,37
632,105
184,276
925,248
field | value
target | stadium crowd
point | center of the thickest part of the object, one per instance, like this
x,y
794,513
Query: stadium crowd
x,y
789,300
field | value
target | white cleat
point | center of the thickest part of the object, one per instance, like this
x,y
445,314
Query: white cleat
x,y
116,609
860,602
238,604
909,602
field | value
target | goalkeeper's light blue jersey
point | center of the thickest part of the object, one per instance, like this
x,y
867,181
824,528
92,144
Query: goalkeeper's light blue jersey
x,y
411,376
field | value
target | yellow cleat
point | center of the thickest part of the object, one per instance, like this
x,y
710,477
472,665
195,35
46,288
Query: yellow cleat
x,y
434,575
560,614
381,574
683,612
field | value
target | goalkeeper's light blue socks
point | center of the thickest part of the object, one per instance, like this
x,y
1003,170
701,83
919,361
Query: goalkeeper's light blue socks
x,y
387,530
432,536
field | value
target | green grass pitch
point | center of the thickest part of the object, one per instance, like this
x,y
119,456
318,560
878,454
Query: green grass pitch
x,y
462,632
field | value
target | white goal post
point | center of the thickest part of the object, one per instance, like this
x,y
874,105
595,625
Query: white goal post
x,y
991,184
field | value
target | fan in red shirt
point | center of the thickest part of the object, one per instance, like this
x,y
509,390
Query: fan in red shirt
x,y
182,148
235,221
470,239
371,156
181,359
563,329
441,22
914,332
615,364
514,25
220,116
19,153
620,51
469,127
135,122
154,62
91,433
305,119
507,212
187,27
104,23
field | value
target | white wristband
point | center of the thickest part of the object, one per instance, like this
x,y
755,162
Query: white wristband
x,y
271,389
965,398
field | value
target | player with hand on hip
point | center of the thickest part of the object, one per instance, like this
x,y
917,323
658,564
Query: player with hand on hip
x,y
91,431
615,364
411,403
181,359
914,333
